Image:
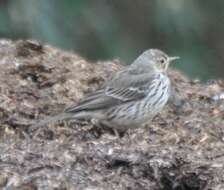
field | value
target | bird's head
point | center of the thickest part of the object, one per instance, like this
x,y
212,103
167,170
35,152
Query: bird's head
x,y
155,58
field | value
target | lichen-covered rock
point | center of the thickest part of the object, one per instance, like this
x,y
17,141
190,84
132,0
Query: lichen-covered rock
x,y
182,148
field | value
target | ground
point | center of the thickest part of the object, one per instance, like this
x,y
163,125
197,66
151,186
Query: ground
x,y
181,149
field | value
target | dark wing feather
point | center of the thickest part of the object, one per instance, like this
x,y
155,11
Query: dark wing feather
x,y
94,101
124,87
129,85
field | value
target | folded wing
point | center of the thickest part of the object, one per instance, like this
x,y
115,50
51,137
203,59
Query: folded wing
x,y
126,86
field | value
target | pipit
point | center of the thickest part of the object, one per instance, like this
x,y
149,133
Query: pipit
x,y
131,98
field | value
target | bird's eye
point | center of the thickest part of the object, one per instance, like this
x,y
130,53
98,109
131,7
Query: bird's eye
x,y
162,60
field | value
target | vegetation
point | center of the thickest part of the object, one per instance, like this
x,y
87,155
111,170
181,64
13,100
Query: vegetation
x,y
103,29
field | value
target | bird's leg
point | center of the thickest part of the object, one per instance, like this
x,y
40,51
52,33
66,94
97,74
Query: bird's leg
x,y
105,125
117,133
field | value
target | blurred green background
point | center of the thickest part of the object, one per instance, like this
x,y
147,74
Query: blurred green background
x,y
107,29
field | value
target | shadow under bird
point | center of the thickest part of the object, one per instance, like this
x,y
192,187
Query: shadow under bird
x,y
131,98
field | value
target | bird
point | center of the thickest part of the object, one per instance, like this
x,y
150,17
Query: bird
x,y
131,98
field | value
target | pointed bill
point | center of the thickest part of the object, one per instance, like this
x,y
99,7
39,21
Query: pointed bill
x,y
173,58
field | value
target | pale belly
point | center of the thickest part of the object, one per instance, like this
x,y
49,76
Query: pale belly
x,y
135,114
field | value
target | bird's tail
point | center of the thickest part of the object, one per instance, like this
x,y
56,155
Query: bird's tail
x,y
52,119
